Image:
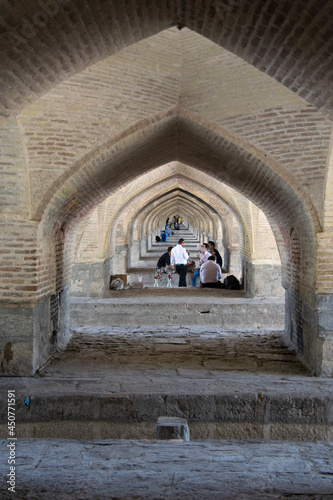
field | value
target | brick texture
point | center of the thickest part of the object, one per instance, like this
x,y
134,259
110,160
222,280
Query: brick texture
x,y
110,115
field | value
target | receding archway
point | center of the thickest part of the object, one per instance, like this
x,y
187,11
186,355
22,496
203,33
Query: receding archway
x,y
177,138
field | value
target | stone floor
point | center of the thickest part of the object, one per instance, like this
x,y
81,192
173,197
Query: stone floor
x,y
105,350
51,469
261,427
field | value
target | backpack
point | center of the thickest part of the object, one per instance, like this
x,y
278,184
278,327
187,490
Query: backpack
x,y
231,283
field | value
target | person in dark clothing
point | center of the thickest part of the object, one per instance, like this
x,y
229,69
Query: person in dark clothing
x,y
164,260
212,250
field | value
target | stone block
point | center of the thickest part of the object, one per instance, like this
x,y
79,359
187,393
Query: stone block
x,y
172,428
324,304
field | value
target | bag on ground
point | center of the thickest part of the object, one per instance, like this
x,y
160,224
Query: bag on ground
x,y
232,283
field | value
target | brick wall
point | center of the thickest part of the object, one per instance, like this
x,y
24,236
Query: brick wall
x,y
289,41
113,115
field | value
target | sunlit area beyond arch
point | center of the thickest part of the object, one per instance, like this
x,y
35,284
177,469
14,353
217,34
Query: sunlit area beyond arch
x,y
126,224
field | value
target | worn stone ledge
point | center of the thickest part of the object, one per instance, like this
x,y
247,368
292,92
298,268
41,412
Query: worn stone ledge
x,y
174,311
70,429
248,411
141,470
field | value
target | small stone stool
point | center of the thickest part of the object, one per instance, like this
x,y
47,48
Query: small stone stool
x,y
172,428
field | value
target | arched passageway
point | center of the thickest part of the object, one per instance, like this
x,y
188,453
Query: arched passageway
x,y
170,133
67,154
240,231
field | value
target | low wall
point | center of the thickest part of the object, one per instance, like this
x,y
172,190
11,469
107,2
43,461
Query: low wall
x,y
264,280
88,279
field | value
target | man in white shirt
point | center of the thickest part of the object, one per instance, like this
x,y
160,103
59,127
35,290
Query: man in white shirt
x,y
203,257
179,261
210,274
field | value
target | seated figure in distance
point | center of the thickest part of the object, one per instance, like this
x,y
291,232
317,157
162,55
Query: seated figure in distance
x,y
210,274
164,261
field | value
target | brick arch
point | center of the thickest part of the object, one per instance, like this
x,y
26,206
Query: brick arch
x,y
156,182
201,182
187,204
224,208
173,200
42,46
179,135
207,199
154,199
119,260
149,210
157,188
181,197
226,244
176,187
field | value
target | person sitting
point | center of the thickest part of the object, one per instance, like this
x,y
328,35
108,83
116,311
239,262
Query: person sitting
x,y
190,263
212,250
210,274
164,261
168,230
203,257
164,236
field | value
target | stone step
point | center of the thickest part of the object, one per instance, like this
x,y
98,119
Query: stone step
x,y
178,310
200,470
160,245
154,255
146,276
88,414
171,242
149,258
191,347
227,383
188,236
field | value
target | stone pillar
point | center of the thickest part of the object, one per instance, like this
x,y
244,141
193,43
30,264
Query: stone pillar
x,y
267,280
143,245
120,259
235,263
324,305
88,279
134,254
225,254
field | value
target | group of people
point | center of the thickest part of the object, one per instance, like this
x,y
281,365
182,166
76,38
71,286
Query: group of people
x,y
169,225
209,269
174,223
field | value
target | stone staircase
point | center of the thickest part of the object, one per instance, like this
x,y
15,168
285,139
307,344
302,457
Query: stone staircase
x,y
228,383
215,357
